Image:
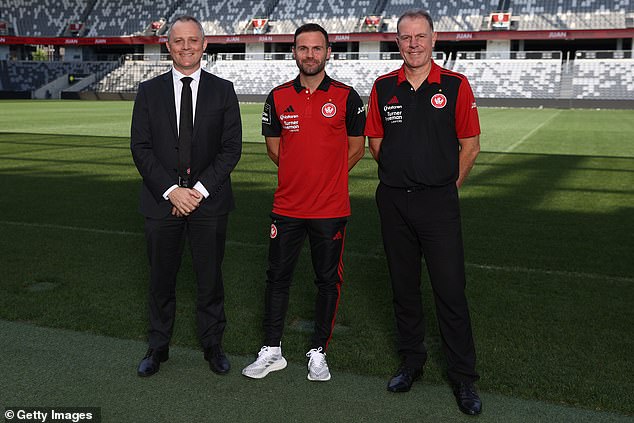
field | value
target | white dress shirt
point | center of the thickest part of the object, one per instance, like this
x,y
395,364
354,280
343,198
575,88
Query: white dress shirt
x,y
178,89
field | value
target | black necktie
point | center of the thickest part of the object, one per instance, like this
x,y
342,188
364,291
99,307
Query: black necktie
x,y
185,132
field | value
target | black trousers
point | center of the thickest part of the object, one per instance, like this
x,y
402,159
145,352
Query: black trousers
x,y
165,242
426,222
326,237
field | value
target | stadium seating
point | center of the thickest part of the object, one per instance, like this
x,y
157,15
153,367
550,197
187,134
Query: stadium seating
x,y
336,16
126,78
28,75
512,78
464,15
564,14
254,76
124,17
503,76
249,78
603,79
225,16
41,17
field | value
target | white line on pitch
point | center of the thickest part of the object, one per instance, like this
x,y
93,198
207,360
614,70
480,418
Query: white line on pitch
x,y
531,132
349,253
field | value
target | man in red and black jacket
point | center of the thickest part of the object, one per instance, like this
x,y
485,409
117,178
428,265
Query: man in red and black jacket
x,y
423,130
313,128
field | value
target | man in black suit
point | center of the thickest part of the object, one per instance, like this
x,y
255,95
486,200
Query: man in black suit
x,y
186,138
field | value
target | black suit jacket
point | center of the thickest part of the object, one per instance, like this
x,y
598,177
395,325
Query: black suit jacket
x,y
216,143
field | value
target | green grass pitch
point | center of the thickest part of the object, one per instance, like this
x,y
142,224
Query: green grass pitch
x,y
548,218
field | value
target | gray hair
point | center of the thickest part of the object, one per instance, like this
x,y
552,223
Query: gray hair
x,y
413,14
187,18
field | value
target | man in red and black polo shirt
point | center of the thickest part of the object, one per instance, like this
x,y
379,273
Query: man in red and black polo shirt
x,y
424,131
313,127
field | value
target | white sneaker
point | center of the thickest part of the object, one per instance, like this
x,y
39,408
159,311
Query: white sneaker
x,y
269,359
317,366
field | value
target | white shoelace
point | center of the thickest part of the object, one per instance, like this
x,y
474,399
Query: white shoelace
x,y
264,355
317,359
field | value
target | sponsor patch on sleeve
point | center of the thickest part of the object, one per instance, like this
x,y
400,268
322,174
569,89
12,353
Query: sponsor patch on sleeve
x,y
266,114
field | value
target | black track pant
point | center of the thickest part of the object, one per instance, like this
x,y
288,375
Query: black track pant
x,y
326,237
425,222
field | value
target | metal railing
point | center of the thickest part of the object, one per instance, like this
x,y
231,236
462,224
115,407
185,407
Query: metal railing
x,y
603,54
509,55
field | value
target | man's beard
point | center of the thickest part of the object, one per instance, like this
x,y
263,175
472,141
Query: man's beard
x,y
313,69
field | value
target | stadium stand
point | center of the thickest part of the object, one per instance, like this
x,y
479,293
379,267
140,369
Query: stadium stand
x,y
254,76
28,75
124,17
41,17
465,15
248,76
126,78
603,79
494,75
570,14
225,16
511,78
336,16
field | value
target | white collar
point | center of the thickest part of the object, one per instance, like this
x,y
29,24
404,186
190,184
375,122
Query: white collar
x,y
177,76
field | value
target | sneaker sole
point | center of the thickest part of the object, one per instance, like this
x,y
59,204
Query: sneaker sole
x,y
278,365
318,380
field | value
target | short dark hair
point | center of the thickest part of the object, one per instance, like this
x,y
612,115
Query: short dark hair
x,y
310,27
416,13
187,18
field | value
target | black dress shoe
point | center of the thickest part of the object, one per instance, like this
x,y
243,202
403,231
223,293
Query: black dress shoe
x,y
151,362
218,362
403,379
467,398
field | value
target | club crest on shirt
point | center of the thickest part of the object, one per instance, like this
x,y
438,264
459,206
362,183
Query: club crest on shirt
x,y
328,110
273,231
439,101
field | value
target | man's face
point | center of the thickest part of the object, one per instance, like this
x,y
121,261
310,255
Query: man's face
x,y
186,44
311,53
415,41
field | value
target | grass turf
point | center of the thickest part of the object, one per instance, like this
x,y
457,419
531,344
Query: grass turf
x,y
96,371
547,224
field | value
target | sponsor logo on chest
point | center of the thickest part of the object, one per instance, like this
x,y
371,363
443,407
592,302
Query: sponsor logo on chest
x,y
393,112
290,121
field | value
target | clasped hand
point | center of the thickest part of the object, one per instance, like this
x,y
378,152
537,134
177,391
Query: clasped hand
x,y
184,201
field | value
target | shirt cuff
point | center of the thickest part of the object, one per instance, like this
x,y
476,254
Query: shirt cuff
x,y
170,189
201,189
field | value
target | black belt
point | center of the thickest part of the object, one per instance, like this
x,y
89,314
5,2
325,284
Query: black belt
x,y
415,188
423,187
183,183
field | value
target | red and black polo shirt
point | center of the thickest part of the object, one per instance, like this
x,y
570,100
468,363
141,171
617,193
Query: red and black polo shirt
x,y
420,128
313,159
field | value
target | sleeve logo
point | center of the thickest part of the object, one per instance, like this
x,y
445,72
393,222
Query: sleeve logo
x,y
266,114
439,101
328,110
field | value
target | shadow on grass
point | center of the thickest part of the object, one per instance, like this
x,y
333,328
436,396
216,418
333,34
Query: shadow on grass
x,y
535,332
